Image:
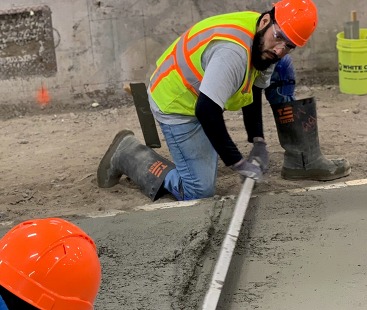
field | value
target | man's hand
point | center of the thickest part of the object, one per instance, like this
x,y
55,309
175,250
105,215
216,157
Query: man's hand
x,y
248,170
260,154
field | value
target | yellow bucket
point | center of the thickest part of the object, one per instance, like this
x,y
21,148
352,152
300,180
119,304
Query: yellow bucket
x,y
352,57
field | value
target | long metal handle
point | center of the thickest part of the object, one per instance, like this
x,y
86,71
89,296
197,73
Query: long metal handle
x,y
228,246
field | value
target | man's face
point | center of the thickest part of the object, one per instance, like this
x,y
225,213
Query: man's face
x,y
269,45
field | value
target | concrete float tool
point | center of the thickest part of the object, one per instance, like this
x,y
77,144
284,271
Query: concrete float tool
x,y
229,243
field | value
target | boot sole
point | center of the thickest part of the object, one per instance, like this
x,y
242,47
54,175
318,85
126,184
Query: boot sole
x,y
102,176
297,175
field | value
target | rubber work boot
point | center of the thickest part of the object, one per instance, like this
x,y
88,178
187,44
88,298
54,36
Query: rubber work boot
x,y
296,123
126,155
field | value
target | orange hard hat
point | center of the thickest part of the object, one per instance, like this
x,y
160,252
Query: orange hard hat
x,y
50,264
297,19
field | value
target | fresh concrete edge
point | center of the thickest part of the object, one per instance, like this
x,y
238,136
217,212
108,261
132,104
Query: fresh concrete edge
x,y
322,187
179,204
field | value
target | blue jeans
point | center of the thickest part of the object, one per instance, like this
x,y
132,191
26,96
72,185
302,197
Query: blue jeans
x,y
196,161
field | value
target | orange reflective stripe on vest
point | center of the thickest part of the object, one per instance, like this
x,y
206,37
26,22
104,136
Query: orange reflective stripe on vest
x,y
163,70
187,46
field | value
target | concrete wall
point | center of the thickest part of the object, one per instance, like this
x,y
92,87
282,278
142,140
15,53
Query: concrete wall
x,y
82,51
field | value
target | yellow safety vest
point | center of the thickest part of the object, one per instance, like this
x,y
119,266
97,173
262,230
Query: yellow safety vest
x,y
174,85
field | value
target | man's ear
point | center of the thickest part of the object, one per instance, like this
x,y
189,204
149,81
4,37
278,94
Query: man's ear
x,y
265,20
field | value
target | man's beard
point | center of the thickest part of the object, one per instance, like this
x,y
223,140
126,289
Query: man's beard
x,y
256,53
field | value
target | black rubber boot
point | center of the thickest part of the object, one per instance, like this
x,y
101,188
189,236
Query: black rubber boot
x,y
296,123
126,155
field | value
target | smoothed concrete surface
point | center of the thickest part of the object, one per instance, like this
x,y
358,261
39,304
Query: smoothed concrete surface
x,y
304,251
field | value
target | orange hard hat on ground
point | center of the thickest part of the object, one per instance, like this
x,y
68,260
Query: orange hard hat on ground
x,y
51,264
297,19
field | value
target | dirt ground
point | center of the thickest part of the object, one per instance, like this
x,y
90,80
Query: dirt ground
x,y
49,160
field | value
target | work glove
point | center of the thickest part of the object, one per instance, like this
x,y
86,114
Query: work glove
x,y
260,154
248,170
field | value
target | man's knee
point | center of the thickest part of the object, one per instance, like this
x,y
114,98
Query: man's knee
x,y
199,191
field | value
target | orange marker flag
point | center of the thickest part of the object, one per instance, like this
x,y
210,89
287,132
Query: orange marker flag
x,y
43,96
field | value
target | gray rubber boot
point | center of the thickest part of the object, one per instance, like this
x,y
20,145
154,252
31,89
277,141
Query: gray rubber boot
x,y
296,123
126,155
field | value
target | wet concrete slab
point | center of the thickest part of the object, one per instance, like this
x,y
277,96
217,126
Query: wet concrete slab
x,y
158,258
154,259
305,250
297,250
